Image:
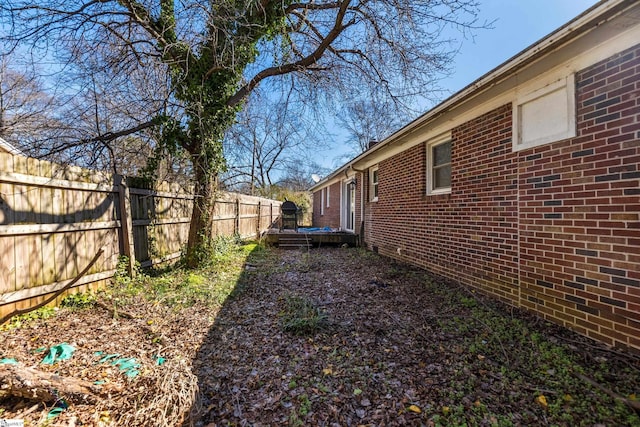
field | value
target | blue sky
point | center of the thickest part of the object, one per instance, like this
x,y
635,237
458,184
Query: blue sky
x,y
518,24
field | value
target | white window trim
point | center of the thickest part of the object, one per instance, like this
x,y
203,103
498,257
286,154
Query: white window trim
x,y
372,196
567,82
328,195
342,214
322,202
345,192
430,190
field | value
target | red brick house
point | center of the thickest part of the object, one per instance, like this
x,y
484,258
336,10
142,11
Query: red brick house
x,y
327,205
524,185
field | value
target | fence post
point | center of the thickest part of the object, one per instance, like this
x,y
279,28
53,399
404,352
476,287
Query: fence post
x,y
237,221
126,224
258,228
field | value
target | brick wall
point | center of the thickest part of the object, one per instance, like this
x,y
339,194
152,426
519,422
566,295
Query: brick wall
x,y
470,234
331,215
580,204
554,229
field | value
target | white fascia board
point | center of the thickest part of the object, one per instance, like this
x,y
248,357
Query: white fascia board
x,y
343,173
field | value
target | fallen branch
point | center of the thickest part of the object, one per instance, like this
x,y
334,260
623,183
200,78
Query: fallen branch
x,y
623,356
635,404
26,412
114,311
48,387
56,294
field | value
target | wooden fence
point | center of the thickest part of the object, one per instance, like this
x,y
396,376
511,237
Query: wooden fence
x,y
54,219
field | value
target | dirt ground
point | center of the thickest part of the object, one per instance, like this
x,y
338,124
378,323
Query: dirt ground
x,y
393,347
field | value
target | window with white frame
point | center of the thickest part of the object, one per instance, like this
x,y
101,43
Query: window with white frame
x,y
322,202
439,167
329,196
545,114
373,184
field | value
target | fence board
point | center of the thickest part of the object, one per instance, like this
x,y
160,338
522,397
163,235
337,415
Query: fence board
x,y
20,164
25,229
8,269
42,291
49,271
54,218
71,243
35,268
55,182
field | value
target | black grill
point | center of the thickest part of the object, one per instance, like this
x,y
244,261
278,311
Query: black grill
x,y
289,212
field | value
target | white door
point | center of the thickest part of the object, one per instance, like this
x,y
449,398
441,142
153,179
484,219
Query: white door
x,y
350,205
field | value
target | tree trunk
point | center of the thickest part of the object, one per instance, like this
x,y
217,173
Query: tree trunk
x,y
201,225
30,383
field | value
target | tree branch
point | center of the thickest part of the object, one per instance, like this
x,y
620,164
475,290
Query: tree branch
x,y
307,61
110,136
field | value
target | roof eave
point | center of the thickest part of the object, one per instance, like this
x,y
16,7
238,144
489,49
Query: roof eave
x,y
10,148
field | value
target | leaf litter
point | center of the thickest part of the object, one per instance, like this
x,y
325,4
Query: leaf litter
x,y
331,337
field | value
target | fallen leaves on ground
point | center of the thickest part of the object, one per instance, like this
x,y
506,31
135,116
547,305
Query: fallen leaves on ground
x,y
396,347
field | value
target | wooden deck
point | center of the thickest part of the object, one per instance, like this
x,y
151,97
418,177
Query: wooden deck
x,y
291,239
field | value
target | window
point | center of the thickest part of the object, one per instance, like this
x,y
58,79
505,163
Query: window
x,y
545,115
373,184
322,202
328,195
439,167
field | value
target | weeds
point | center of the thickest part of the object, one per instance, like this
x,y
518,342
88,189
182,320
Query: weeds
x,y
215,250
79,301
301,316
211,284
175,287
42,313
297,415
532,367
122,277
74,301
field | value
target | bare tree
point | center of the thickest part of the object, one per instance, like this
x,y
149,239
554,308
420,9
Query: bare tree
x,y
299,177
370,121
46,115
216,53
109,102
269,138
25,105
